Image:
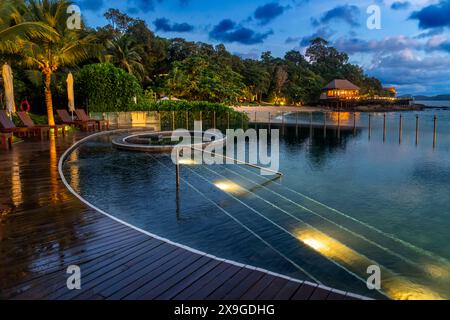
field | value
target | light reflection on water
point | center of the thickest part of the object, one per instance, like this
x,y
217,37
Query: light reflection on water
x,y
352,202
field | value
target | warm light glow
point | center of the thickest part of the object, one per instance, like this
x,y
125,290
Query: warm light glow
x,y
16,183
343,93
187,161
315,244
403,289
74,171
393,285
437,271
229,186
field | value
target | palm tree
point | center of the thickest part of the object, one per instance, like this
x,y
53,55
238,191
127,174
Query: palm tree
x,y
125,53
67,48
14,28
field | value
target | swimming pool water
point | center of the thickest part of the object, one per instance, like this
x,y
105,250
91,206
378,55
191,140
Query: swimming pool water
x,y
345,202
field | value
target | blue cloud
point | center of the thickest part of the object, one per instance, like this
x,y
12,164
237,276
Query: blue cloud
x,y
90,5
266,13
163,24
346,13
433,16
399,5
324,33
141,5
228,31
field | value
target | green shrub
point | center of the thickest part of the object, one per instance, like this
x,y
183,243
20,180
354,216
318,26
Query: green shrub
x,y
105,88
191,106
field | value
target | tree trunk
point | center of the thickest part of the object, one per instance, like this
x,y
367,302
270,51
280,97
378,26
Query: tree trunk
x,y
48,98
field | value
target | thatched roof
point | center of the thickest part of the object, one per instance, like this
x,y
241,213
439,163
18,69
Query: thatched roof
x,y
340,84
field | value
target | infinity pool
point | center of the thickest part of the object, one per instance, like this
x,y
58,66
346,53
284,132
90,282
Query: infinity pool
x,y
348,200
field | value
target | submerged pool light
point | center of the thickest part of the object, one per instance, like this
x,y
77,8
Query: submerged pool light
x,y
187,162
229,186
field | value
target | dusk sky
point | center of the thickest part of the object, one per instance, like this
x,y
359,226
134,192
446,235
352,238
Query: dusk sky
x,y
411,50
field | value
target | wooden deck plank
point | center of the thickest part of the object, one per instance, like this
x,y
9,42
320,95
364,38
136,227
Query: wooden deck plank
x,y
114,266
232,282
196,276
182,276
288,291
101,262
256,289
244,285
320,294
207,289
135,266
195,287
272,289
304,292
163,273
121,290
39,287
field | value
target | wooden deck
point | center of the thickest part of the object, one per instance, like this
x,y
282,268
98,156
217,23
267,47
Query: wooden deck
x,y
44,229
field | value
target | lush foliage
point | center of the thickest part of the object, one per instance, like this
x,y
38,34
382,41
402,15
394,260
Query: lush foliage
x,y
194,106
47,54
103,88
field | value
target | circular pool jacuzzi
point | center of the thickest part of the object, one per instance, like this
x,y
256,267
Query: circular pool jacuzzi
x,y
164,142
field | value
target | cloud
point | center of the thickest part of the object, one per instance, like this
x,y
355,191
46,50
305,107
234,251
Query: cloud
x,y
145,6
253,55
133,6
411,72
400,5
388,44
433,16
293,40
163,24
90,5
228,31
323,32
430,33
345,13
266,13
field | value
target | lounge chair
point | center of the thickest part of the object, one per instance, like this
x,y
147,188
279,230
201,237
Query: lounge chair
x,y
6,139
67,119
28,122
7,126
81,115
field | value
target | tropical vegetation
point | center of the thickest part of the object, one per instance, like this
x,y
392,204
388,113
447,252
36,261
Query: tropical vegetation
x,y
124,65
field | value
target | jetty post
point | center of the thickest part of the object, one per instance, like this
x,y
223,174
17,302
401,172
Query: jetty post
x,y
434,131
417,129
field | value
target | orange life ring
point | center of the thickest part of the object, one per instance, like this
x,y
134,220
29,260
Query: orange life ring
x,y
25,103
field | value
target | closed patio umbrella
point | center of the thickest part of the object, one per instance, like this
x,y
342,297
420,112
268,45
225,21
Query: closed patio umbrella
x,y
70,93
9,88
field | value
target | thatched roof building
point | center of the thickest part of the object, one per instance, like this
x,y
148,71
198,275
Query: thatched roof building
x,y
340,89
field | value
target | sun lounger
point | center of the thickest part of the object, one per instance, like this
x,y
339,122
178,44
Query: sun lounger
x,y
67,119
8,126
29,123
6,139
81,115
